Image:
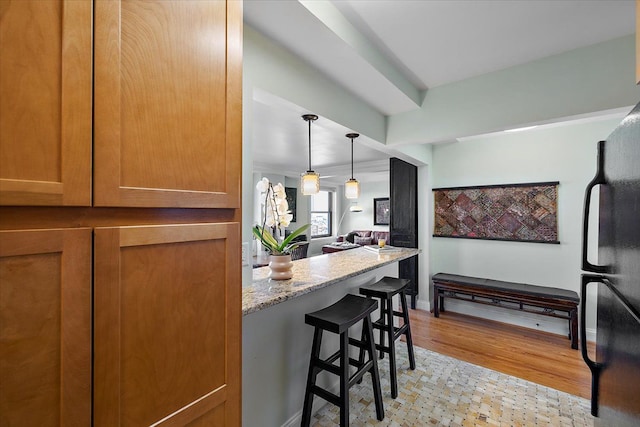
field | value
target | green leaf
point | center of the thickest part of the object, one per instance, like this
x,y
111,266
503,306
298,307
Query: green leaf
x,y
295,234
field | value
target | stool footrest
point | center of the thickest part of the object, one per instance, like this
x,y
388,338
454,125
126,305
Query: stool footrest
x,y
358,343
397,331
328,365
357,376
326,395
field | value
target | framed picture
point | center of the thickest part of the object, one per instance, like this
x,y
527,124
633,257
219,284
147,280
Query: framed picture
x,y
381,209
516,212
292,194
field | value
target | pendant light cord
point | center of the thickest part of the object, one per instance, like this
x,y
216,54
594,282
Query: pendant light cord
x,y
309,145
351,158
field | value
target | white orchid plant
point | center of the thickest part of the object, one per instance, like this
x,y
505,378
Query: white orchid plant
x,y
277,216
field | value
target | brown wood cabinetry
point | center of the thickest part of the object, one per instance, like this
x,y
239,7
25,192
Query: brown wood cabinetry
x,y
120,153
45,102
45,327
164,339
166,100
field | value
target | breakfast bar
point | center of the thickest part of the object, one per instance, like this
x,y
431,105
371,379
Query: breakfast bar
x,y
276,340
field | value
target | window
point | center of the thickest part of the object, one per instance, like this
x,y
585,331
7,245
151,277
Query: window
x,y
321,205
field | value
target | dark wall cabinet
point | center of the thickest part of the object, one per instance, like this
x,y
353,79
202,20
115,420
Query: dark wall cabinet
x,y
403,220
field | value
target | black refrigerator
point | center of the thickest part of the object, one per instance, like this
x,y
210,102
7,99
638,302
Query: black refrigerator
x,y
615,366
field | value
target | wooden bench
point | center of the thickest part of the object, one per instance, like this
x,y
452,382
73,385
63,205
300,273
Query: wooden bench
x,y
554,302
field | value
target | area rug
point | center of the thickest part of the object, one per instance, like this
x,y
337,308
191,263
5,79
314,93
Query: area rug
x,y
443,391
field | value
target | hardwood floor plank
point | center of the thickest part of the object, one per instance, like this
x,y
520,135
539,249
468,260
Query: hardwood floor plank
x,y
536,356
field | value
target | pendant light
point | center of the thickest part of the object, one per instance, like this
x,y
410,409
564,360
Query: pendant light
x,y
352,186
310,181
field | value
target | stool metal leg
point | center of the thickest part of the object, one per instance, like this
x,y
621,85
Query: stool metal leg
x,y
311,378
375,374
407,332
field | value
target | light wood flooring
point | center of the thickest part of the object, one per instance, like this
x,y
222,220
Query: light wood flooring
x,y
536,356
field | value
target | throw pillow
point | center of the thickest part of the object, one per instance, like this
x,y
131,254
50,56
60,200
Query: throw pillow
x,y
362,240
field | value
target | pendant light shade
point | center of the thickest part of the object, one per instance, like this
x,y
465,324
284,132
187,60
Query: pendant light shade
x,y
310,181
352,186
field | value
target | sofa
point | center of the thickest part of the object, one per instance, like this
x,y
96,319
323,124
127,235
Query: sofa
x,y
364,237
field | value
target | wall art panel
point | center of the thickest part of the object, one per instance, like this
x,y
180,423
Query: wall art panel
x,y
516,212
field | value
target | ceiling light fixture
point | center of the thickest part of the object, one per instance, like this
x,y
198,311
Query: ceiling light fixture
x,y
310,181
352,186
355,207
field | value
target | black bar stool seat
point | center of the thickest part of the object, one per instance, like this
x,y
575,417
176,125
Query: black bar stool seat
x,y
338,318
385,289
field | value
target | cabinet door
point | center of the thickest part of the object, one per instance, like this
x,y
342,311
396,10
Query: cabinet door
x,y
45,106
167,325
45,327
168,103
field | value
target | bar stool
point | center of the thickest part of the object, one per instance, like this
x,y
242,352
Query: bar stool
x,y
338,318
385,289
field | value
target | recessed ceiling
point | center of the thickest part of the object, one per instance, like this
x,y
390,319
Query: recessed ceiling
x,y
386,52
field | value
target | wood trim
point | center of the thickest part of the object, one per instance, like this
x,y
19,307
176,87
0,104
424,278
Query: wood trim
x,y
106,410
107,122
77,102
156,235
75,328
637,41
234,103
196,409
57,217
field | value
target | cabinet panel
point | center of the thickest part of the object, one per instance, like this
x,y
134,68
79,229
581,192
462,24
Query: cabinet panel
x,y
45,327
45,107
168,103
167,324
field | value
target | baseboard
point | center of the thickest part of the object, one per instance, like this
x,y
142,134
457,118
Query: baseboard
x,y
423,305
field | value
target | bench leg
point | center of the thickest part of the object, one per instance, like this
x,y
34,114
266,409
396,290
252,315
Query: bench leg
x,y
436,299
573,324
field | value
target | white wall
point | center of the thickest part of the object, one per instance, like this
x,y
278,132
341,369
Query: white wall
x,y
566,154
364,220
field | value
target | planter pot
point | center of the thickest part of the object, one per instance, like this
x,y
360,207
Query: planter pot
x,y
281,267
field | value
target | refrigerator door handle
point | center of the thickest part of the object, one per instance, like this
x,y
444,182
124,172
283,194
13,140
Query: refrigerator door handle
x,y
595,367
597,180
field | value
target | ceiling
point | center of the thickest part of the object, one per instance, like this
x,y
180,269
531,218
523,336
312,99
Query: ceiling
x,y
390,52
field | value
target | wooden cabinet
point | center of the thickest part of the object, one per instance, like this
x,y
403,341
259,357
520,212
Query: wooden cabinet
x,y
167,92
45,106
45,327
156,124
167,114
166,346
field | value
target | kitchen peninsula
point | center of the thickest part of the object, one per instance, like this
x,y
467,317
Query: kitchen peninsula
x,y
276,340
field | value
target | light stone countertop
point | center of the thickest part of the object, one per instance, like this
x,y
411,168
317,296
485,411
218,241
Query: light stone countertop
x,y
310,274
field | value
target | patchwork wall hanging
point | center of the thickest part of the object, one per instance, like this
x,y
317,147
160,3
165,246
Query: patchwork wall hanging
x,y
515,212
